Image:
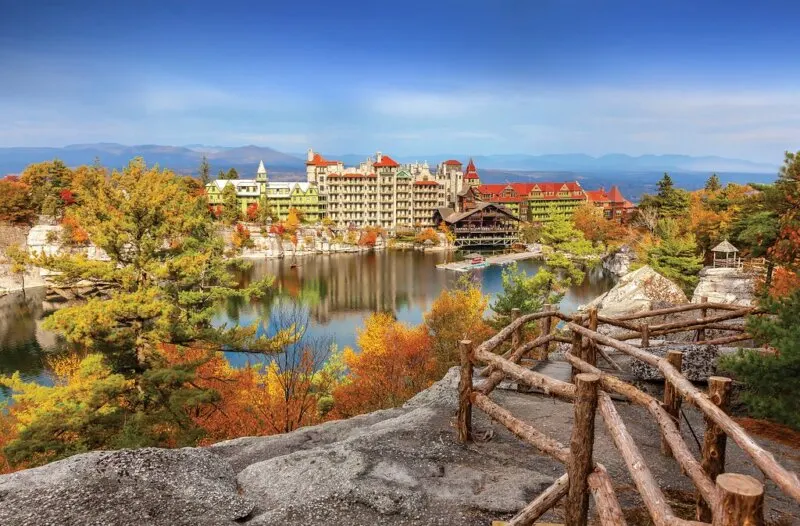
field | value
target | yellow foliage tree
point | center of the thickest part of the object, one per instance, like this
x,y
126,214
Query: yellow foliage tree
x,y
456,315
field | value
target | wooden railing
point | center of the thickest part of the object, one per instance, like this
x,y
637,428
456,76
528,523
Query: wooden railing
x,y
725,498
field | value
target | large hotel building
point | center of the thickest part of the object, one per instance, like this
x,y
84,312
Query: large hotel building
x,y
384,193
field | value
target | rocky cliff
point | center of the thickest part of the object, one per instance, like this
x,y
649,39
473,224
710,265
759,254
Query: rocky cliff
x,y
394,467
725,285
638,291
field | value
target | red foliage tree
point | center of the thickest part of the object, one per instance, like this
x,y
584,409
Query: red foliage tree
x,y
252,212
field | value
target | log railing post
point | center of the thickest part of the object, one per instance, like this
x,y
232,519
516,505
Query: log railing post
x,y
645,341
672,399
590,350
714,440
577,351
741,501
465,393
701,332
581,444
546,327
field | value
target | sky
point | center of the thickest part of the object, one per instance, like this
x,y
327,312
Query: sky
x,y
410,77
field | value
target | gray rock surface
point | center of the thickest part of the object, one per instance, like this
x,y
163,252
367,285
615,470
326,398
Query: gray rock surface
x,y
725,285
638,291
619,263
698,362
396,467
146,486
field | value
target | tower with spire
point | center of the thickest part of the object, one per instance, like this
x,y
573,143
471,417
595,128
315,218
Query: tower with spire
x,y
261,178
471,177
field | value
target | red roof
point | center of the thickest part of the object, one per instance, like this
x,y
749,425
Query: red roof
x,y
525,189
426,183
319,160
471,172
601,196
386,162
453,162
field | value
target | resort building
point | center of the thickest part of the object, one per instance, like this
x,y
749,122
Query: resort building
x,y
381,192
280,196
614,205
485,224
533,202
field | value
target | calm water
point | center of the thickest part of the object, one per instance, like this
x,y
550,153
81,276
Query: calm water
x,y
334,293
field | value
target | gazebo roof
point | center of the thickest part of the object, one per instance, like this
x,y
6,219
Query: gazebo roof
x,y
725,246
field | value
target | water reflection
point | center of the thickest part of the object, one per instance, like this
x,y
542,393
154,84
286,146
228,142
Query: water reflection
x,y
335,293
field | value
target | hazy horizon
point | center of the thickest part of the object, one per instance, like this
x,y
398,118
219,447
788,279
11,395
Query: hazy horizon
x,y
549,77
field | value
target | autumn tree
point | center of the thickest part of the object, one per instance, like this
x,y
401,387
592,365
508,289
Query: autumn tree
x,y
427,234
16,205
265,212
561,234
455,315
165,276
590,221
394,363
46,180
252,213
20,263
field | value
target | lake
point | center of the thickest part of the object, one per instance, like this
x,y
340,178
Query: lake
x,y
334,293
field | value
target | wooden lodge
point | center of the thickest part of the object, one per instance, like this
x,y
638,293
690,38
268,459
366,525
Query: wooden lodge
x,y
484,224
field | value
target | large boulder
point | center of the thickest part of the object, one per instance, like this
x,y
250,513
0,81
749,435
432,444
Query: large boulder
x,y
145,486
638,291
697,364
725,285
619,263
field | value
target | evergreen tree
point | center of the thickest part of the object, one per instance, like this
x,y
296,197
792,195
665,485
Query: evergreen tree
x,y
231,212
265,212
232,174
165,277
222,175
669,201
772,382
205,171
675,257
713,184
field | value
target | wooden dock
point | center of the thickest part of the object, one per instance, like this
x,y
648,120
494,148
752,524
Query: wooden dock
x,y
501,260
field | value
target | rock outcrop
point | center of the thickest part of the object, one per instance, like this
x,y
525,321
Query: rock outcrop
x,y
394,467
619,263
697,364
725,285
638,291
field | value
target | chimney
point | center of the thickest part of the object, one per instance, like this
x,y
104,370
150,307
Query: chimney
x,y
310,156
378,157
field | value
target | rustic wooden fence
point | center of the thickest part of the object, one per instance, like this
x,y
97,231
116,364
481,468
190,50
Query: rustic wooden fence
x,y
722,498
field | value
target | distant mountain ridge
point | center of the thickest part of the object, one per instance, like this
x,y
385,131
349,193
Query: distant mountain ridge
x,y
186,159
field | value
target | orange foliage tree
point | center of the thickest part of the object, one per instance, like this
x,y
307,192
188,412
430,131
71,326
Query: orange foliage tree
x,y
427,234
596,228
370,236
15,204
396,362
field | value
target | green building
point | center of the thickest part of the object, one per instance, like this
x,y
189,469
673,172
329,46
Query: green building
x,y
281,196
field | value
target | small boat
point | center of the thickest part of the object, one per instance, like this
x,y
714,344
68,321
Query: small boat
x,y
476,261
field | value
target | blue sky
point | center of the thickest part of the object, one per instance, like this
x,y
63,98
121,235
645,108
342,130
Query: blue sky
x,y
410,77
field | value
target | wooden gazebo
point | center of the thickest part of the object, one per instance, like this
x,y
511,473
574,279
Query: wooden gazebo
x,y
730,259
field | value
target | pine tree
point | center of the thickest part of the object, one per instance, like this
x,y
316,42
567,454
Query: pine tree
x,y
205,171
232,174
772,381
675,257
164,280
231,212
713,184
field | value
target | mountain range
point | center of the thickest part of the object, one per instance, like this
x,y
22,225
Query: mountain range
x,y
634,175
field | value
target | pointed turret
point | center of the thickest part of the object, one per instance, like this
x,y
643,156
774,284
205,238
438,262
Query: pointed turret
x,y
261,174
471,175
